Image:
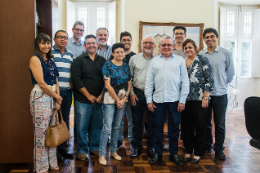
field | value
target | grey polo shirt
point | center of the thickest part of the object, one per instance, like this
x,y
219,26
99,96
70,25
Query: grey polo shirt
x,y
76,49
223,69
179,52
138,68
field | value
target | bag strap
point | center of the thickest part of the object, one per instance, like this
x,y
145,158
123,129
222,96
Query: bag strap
x,y
61,117
56,115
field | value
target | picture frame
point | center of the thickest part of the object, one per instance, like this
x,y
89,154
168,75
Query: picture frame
x,y
158,30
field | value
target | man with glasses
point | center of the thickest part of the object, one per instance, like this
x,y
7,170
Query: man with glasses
x,y
166,89
103,49
138,66
75,44
87,78
223,69
126,39
179,34
63,60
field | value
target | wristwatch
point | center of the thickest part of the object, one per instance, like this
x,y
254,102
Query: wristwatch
x,y
206,98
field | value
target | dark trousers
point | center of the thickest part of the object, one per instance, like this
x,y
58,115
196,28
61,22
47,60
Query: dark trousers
x,y
219,106
66,94
137,113
173,126
194,116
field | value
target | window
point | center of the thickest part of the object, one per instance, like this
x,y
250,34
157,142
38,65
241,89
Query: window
x,y
94,15
236,34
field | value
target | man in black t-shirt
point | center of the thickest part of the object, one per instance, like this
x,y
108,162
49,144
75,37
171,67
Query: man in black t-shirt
x,y
88,84
126,39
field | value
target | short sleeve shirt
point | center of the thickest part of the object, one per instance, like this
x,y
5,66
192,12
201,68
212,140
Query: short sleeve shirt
x,y
119,77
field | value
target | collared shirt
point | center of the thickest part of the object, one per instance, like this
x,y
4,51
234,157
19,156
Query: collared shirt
x,y
106,53
87,73
168,78
179,52
76,49
63,63
201,78
138,67
126,58
223,68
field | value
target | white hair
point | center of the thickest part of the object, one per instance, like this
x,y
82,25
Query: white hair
x,y
166,37
148,36
102,28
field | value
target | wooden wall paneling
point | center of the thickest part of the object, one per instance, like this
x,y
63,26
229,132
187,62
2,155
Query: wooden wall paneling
x,y
44,9
17,33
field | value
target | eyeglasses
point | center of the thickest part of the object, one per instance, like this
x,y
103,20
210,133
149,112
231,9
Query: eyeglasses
x,y
62,37
146,42
81,30
125,40
212,36
168,45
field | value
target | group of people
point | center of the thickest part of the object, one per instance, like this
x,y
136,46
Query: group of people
x,y
110,82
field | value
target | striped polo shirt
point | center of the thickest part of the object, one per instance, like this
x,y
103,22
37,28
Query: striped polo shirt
x,y
106,53
63,63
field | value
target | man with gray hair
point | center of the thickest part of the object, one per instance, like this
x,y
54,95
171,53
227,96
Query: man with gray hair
x,y
75,44
138,66
104,50
166,89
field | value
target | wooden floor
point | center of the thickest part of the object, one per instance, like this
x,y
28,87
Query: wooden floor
x,y
240,157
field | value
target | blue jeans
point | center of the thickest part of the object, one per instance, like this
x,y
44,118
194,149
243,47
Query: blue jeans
x,y
112,119
66,94
89,118
219,106
173,126
138,112
130,123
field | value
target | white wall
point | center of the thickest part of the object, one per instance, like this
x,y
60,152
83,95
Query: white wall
x,y
179,11
62,5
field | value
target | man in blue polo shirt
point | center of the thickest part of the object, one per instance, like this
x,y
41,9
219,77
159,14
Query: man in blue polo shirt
x,y
75,44
63,60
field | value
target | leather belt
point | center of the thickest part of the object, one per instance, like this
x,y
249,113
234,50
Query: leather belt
x,y
136,90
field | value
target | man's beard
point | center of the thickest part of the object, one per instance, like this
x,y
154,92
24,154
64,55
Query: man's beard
x,y
148,51
102,44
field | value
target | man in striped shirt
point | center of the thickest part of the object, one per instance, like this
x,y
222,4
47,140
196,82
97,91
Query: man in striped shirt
x,y
103,50
63,60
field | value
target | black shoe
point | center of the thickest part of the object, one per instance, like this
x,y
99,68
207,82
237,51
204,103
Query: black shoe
x,y
187,159
220,155
156,158
65,154
135,153
176,160
195,161
150,152
206,151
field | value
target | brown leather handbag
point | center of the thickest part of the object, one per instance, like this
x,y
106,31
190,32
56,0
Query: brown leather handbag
x,y
58,133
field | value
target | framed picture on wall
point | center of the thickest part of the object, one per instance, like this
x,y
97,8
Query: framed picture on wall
x,y
158,30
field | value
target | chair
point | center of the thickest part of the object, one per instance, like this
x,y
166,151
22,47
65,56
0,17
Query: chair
x,y
252,119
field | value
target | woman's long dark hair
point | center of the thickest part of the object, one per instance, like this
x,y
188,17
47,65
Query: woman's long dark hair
x,y
42,38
